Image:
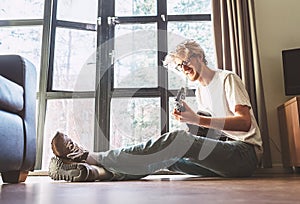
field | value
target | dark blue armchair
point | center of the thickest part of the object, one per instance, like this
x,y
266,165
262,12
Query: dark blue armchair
x,y
17,118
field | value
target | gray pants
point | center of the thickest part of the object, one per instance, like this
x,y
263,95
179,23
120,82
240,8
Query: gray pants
x,y
182,152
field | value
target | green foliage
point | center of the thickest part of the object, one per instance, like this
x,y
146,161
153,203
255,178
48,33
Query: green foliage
x,y
144,7
189,6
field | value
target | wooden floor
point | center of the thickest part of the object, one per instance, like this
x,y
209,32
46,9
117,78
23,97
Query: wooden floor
x,y
170,189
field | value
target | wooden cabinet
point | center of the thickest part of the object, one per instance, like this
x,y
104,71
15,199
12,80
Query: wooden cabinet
x,y
289,114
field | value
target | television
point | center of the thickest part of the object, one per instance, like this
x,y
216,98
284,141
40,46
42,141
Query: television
x,y
291,71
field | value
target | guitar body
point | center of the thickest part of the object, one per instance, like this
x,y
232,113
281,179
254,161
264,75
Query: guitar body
x,y
198,130
194,129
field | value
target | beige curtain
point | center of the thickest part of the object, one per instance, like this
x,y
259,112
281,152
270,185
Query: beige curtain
x,y
236,50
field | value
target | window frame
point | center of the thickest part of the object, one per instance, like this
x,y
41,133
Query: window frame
x,y
104,27
102,136
51,23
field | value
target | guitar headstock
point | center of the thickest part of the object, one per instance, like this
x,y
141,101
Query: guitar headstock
x,y
179,98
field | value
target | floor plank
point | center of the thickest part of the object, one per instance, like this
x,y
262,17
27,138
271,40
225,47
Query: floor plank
x,y
155,189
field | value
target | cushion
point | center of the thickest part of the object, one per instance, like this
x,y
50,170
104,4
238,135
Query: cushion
x,y
11,96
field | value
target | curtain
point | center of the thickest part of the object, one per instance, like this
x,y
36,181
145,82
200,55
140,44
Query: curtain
x,y
237,50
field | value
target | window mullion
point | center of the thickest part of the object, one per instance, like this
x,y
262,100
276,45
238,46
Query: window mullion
x,y
162,73
104,76
45,69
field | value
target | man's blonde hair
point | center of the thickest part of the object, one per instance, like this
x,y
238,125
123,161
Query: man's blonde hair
x,y
185,50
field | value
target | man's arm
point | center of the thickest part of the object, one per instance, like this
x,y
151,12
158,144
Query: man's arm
x,y
240,121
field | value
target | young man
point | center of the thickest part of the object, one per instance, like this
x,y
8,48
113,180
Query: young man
x,y
231,148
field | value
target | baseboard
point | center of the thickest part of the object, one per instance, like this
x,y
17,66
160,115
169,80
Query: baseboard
x,y
38,173
275,170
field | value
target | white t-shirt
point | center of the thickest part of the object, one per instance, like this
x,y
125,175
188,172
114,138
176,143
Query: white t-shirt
x,y
219,98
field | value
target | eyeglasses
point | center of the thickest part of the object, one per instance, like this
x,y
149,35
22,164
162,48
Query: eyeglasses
x,y
179,67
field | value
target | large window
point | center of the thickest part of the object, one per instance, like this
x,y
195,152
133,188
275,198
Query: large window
x,y
21,32
143,90
70,89
99,64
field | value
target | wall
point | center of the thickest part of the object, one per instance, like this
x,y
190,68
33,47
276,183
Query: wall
x,y
278,28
